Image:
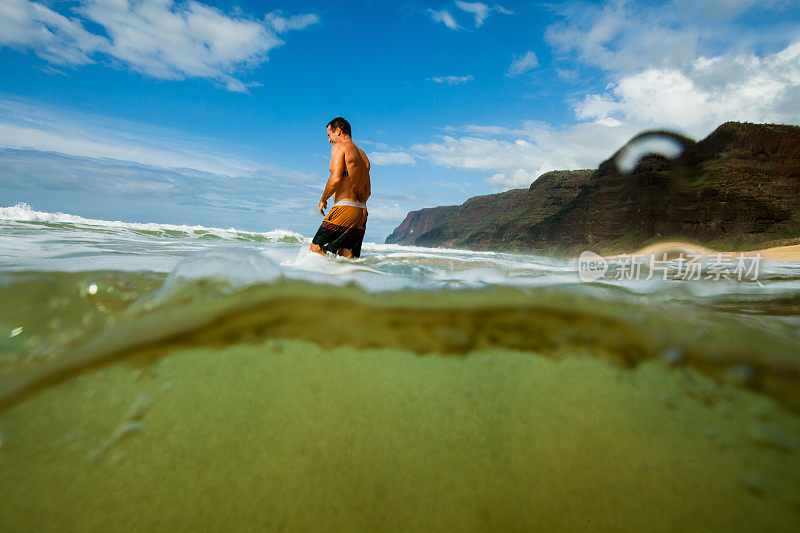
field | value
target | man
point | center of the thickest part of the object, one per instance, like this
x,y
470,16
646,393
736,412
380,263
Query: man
x,y
342,230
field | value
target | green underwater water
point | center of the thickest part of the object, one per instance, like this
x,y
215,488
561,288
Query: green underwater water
x,y
141,405
286,434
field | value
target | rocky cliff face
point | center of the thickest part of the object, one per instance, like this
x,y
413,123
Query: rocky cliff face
x,y
738,188
418,222
490,221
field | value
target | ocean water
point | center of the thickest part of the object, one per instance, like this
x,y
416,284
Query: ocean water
x,y
157,376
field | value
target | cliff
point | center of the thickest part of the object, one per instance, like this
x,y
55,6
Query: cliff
x,y
418,222
739,188
493,220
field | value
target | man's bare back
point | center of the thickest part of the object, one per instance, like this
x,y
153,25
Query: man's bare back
x,y
351,165
349,181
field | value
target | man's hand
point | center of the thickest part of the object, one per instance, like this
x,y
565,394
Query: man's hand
x,y
323,204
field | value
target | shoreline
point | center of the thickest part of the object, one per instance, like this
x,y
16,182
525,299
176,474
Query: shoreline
x,y
674,248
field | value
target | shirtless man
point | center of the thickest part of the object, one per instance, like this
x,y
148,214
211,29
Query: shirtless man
x,y
342,230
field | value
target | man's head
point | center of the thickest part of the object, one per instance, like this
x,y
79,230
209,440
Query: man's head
x,y
338,129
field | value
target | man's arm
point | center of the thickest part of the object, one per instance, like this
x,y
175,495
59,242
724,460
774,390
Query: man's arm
x,y
366,188
337,172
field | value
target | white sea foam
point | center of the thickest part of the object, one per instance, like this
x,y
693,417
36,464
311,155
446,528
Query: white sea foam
x,y
23,212
421,250
69,243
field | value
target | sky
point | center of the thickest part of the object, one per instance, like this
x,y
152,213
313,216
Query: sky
x,y
214,113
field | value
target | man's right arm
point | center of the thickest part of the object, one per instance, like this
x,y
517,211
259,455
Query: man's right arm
x,y
337,172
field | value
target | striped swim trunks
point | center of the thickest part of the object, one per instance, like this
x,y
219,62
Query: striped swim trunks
x,y
343,227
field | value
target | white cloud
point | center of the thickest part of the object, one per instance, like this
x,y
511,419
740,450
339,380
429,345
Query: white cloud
x,y
484,130
24,126
516,157
477,9
452,80
54,37
296,22
53,71
693,101
570,75
444,17
117,190
512,163
481,11
378,145
384,211
130,171
157,38
163,40
624,36
710,91
47,171
523,64
391,158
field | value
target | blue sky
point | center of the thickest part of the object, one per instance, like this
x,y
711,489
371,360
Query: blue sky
x,y
214,112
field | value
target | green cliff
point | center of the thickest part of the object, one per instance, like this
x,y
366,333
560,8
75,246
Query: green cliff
x,y
737,189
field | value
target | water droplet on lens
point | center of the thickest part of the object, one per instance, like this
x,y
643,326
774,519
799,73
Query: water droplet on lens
x,y
647,143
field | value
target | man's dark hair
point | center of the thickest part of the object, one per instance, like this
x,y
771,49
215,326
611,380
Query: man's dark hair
x,y
341,124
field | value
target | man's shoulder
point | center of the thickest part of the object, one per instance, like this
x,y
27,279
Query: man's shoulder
x,y
346,147
353,147
363,153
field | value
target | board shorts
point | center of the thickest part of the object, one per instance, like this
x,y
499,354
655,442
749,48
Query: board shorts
x,y
343,227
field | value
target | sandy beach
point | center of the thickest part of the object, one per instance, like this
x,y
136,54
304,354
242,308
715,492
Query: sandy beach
x,y
675,248
288,435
